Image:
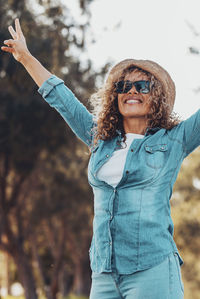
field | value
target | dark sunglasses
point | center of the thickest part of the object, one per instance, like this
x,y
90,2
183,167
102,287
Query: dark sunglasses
x,y
124,86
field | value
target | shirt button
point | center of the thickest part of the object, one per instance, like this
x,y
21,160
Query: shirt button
x,y
110,243
131,150
107,156
114,190
127,172
111,217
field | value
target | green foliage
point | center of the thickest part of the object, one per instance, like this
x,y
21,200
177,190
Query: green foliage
x,y
185,213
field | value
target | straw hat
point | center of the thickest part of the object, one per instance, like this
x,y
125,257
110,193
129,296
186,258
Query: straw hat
x,y
150,66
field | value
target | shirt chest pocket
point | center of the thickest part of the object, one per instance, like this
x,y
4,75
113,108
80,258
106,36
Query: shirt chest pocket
x,y
156,155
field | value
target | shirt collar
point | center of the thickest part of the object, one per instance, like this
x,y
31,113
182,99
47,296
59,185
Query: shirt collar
x,y
151,131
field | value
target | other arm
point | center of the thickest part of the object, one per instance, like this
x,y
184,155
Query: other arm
x,y
188,132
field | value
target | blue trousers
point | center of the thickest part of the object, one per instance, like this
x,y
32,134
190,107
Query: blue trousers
x,y
163,281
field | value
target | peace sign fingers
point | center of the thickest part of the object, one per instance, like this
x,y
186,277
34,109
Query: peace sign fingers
x,y
12,32
18,29
17,46
17,33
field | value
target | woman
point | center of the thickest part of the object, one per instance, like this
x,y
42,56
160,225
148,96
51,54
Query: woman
x,y
137,147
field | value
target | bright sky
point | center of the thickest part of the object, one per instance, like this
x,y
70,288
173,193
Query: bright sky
x,y
150,29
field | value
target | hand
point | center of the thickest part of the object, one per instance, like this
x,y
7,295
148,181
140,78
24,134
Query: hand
x,y
17,46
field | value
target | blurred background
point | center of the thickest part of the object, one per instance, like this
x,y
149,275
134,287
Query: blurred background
x,y
46,203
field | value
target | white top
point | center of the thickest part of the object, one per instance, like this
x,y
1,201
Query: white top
x,y
112,170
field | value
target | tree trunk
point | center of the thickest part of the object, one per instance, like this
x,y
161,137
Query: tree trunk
x,y
86,274
25,274
46,288
7,272
78,286
66,282
55,274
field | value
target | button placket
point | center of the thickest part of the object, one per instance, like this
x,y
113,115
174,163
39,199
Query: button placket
x,y
112,198
110,242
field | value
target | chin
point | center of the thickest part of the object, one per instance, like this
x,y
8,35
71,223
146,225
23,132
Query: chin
x,y
134,114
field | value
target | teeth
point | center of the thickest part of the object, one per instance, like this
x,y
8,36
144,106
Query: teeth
x,y
132,101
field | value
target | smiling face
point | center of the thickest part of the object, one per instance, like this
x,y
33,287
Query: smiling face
x,y
134,104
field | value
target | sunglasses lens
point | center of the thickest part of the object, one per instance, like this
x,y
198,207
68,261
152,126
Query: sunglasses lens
x,y
119,86
142,86
122,87
125,86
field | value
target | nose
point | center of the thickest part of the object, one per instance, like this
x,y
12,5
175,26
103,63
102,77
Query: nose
x,y
133,90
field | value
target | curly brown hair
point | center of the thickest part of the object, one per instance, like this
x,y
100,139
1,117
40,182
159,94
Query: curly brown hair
x,y
104,105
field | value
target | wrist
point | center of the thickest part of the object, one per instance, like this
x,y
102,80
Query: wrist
x,y
26,58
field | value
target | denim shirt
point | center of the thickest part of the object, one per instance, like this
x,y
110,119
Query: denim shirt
x,y
132,224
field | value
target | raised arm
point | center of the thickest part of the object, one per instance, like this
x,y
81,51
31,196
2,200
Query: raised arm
x,y
188,133
52,88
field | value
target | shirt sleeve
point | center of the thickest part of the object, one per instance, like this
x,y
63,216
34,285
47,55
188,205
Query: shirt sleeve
x,y
188,131
60,97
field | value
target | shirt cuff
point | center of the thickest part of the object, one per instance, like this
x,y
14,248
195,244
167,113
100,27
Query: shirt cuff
x,y
49,84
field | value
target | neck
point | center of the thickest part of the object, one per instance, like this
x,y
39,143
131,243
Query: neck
x,y
135,125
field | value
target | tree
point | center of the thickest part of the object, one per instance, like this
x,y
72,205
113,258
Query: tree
x,y
185,213
29,129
